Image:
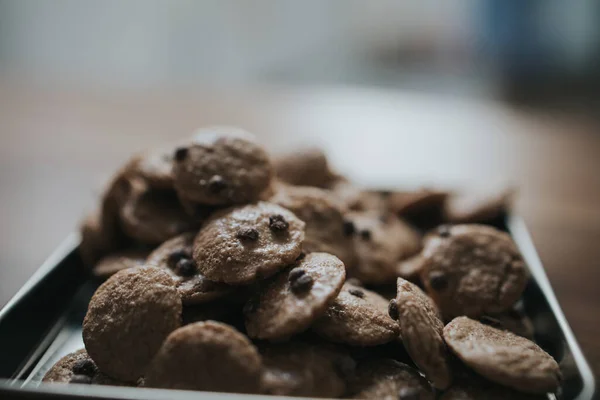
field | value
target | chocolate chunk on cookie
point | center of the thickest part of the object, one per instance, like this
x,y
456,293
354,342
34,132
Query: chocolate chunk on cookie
x,y
78,367
115,262
357,317
295,298
155,167
472,269
421,329
304,167
153,216
382,378
478,208
221,166
502,356
302,369
208,356
326,227
380,245
128,318
175,257
248,243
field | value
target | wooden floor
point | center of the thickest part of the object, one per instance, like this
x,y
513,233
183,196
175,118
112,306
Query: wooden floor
x,y
58,146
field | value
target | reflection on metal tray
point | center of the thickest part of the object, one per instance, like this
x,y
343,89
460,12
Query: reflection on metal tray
x,y
42,323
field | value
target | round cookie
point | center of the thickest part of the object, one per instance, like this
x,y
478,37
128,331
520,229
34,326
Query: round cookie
x,y
357,317
175,257
155,167
221,166
502,356
128,318
295,298
301,369
421,329
248,243
326,229
388,379
115,262
152,216
208,356
304,167
472,270
78,367
379,245
478,208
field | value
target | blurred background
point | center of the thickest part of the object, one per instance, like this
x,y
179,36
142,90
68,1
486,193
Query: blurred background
x,y
428,92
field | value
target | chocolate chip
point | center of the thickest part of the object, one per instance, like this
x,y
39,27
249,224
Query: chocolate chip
x,y
393,310
84,367
349,228
301,256
175,257
81,379
277,223
443,230
365,234
248,234
181,153
357,293
301,284
486,319
438,280
216,184
295,274
409,393
186,267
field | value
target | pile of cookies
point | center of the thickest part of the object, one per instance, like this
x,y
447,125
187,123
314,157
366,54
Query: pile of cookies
x,y
228,271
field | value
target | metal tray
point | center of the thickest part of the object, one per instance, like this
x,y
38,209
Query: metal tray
x,y
42,323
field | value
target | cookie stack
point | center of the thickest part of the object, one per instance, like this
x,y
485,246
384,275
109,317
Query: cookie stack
x,y
226,271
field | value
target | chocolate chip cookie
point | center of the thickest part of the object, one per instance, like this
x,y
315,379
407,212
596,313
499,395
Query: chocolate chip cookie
x,y
295,298
304,167
78,367
115,262
388,379
296,368
421,329
248,243
357,317
221,166
128,318
502,356
380,245
208,356
472,269
175,257
327,230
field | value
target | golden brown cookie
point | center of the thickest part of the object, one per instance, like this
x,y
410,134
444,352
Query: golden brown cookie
x,y
128,318
478,208
357,317
221,166
248,243
388,379
326,228
208,356
302,369
380,245
472,269
152,216
115,262
295,298
175,257
502,356
304,167
421,329
78,367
